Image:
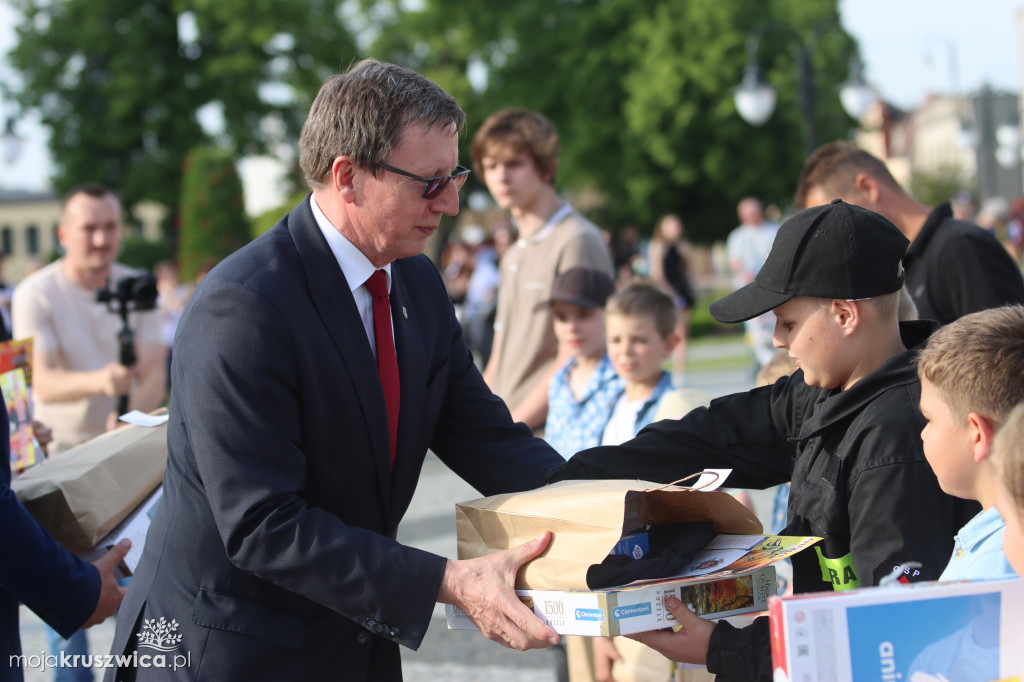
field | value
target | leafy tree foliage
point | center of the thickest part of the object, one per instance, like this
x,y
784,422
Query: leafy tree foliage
x,y
641,92
139,252
120,83
213,222
935,187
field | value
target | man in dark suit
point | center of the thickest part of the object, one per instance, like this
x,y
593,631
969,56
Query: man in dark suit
x,y
293,454
66,592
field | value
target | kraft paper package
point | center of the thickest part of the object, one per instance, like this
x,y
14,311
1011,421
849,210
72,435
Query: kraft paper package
x,y
587,519
80,495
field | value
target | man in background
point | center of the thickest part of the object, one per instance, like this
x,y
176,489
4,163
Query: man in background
x,y
76,374
747,247
953,266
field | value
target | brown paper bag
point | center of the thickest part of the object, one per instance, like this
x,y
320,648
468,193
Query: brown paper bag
x,y
587,519
82,493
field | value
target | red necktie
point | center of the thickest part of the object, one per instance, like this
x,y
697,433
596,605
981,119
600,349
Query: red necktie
x,y
387,358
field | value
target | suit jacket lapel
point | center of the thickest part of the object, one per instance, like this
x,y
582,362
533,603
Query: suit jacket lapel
x,y
337,308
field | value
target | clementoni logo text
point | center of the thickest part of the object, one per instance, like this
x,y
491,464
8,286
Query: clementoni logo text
x,y
631,611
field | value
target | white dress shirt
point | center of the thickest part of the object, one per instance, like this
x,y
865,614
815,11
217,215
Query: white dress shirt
x,y
356,267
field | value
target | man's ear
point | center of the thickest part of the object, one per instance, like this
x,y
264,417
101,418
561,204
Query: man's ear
x,y
983,431
343,178
867,186
846,314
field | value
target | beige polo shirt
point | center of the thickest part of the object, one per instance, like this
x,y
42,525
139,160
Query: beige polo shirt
x,y
63,317
528,269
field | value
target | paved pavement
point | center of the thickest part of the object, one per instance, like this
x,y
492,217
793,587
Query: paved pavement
x,y
460,656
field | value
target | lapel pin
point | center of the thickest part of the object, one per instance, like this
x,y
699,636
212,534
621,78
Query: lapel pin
x,y
405,313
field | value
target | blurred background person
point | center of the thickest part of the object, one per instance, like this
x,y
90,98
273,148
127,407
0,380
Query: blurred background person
x,y
1015,229
747,246
172,295
629,255
6,291
953,267
669,262
76,368
481,300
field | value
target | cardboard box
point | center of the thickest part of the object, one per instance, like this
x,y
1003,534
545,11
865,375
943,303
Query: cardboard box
x,y
79,496
587,520
640,607
912,633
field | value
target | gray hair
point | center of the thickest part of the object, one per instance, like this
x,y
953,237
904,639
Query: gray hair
x,y
363,112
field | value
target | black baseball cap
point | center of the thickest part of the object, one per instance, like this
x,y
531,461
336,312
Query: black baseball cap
x,y
833,251
583,287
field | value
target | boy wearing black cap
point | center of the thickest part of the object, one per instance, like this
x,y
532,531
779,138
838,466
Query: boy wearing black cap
x,y
845,428
582,393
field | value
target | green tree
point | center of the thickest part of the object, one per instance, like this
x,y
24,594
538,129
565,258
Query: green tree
x,y
213,222
142,253
641,92
932,188
121,83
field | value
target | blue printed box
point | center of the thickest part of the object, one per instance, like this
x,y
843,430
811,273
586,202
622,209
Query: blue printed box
x,y
922,631
636,546
628,610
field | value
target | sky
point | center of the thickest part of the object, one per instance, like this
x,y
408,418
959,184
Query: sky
x,y
910,48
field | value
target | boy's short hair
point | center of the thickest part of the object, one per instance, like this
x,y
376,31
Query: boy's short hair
x,y
643,299
518,130
834,168
1008,454
977,363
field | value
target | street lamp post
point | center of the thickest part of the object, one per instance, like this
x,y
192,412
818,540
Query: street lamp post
x,y
755,97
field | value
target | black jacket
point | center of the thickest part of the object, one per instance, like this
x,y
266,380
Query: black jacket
x,y
954,268
859,481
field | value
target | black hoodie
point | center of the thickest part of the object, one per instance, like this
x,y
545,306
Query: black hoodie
x,y
859,481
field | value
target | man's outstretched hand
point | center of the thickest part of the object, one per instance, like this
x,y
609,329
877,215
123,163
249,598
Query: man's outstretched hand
x,y
111,593
484,588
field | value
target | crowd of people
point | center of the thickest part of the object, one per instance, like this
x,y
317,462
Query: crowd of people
x,y
314,368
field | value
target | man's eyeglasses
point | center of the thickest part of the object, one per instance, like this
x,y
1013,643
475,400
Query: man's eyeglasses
x,y
437,184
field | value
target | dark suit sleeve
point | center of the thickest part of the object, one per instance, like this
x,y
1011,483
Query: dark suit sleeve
x,y
240,391
476,437
746,432
58,586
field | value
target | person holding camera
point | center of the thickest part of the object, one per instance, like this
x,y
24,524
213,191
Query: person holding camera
x,y
77,373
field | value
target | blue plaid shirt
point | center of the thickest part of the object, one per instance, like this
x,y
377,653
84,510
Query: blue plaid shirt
x,y
575,425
